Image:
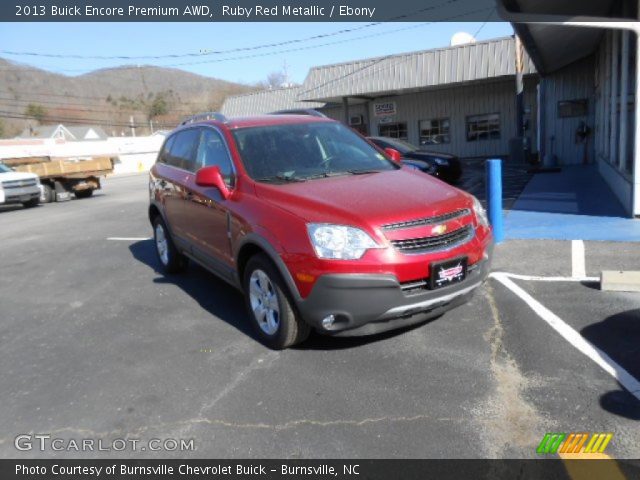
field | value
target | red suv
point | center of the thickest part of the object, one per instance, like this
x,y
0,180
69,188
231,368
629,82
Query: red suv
x,y
319,228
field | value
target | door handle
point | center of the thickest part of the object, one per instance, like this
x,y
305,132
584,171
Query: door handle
x,y
162,183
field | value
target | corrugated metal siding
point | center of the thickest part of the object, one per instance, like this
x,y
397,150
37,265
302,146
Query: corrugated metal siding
x,y
457,103
336,112
617,176
571,83
265,101
428,68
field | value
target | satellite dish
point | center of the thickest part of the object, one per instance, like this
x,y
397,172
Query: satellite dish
x,y
462,38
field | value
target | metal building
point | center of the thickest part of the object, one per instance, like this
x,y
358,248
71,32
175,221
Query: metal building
x,y
458,99
587,54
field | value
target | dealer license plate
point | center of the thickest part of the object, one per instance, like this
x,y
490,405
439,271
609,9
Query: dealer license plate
x,y
448,272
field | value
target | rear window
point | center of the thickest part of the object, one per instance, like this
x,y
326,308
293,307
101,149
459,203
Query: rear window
x,y
303,151
182,151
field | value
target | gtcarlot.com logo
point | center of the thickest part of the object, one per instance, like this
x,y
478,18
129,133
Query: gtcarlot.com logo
x,y
574,443
44,442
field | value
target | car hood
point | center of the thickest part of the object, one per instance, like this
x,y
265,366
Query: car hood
x,y
11,176
371,199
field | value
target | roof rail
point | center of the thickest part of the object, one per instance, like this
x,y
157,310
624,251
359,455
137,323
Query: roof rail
x,y
300,111
201,117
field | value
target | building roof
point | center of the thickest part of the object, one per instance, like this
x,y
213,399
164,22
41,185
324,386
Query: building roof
x,y
413,71
265,101
87,132
75,132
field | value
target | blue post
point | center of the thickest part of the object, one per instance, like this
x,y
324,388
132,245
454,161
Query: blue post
x,y
494,197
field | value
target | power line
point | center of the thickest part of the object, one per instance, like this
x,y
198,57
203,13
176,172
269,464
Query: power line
x,y
47,94
475,35
244,57
278,52
232,50
74,106
5,114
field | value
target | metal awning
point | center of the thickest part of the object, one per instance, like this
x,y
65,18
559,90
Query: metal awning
x,y
553,47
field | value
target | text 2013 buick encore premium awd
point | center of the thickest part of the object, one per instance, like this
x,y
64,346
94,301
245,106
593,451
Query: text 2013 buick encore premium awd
x,y
320,229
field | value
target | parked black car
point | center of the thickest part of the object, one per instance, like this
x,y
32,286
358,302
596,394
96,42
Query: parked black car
x,y
442,165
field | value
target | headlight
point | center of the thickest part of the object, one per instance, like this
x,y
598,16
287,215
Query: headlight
x,y
441,161
481,213
339,241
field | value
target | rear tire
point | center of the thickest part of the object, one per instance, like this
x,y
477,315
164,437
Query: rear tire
x,y
84,193
170,259
273,315
31,203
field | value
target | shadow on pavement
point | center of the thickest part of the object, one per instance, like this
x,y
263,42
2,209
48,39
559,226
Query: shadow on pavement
x,y
325,342
619,337
577,190
621,403
226,303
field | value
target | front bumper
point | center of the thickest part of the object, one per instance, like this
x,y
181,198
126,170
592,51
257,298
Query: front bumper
x,y
365,304
19,195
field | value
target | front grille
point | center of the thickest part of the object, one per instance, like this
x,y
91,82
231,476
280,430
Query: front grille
x,y
18,184
428,220
435,243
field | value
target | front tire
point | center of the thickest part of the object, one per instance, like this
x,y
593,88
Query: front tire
x,y
272,313
171,260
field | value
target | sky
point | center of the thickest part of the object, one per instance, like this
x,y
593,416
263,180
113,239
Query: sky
x,y
150,39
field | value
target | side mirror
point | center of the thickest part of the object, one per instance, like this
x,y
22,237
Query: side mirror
x,y
212,177
395,155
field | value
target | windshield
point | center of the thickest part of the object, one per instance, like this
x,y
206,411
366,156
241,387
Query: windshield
x,y
4,168
299,152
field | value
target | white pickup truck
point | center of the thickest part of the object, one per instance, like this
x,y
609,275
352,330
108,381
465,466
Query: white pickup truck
x,y
19,187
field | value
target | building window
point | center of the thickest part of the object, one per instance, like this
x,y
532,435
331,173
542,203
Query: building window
x,y
393,130
434,131
573,108
483,127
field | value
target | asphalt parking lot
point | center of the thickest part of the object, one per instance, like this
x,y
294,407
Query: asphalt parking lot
x,y
95,343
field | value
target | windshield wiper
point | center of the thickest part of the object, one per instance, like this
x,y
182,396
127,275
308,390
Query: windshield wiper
x,y
363,172
325,175
281,178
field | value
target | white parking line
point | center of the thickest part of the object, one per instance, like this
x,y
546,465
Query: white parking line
x,y
578,267
537,278
128,239
573,337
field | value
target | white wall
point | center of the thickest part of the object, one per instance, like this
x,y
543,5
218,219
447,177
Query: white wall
x,y
133,154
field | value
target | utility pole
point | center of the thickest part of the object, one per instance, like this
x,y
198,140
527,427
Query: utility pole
x,y
285,72
133,126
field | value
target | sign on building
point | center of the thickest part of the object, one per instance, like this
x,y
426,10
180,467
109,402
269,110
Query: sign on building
x,y
384,109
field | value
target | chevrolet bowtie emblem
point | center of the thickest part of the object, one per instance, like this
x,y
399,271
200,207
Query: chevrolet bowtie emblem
x,y
439,229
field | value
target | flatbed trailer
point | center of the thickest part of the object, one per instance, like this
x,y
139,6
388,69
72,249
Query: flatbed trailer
x,y
60,177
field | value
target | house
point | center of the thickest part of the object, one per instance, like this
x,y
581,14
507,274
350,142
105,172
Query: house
x,y
69,133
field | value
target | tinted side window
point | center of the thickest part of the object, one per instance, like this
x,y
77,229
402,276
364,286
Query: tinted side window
x,y
183,151
164,154
213,152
